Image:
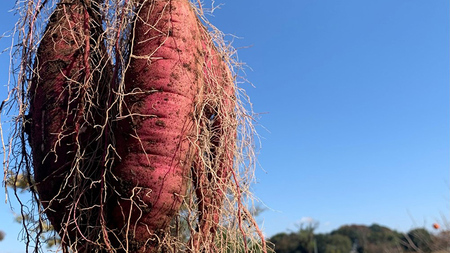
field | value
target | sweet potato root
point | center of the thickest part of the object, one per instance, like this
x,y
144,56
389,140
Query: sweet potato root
x,y
162,82
66,101
174,67
151,156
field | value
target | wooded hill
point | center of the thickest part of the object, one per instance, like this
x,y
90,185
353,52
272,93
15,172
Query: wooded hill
x,y
361,239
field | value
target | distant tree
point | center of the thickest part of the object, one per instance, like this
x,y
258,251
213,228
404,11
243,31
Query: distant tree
x,y
358,235
302,241
333,243
360,239
374,238
18,181
418,239
383,239
286,243
377,233
321,241
338,244
306,236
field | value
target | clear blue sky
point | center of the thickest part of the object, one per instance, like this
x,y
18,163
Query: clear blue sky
x,y
355,99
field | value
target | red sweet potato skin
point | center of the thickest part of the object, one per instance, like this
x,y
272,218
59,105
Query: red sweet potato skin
x,y
162,80
60,127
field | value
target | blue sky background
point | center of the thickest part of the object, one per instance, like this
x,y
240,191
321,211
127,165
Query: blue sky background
x,y
355,99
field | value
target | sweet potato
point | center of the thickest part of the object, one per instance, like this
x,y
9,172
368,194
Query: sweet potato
x,y
162,83
151,155
67,98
